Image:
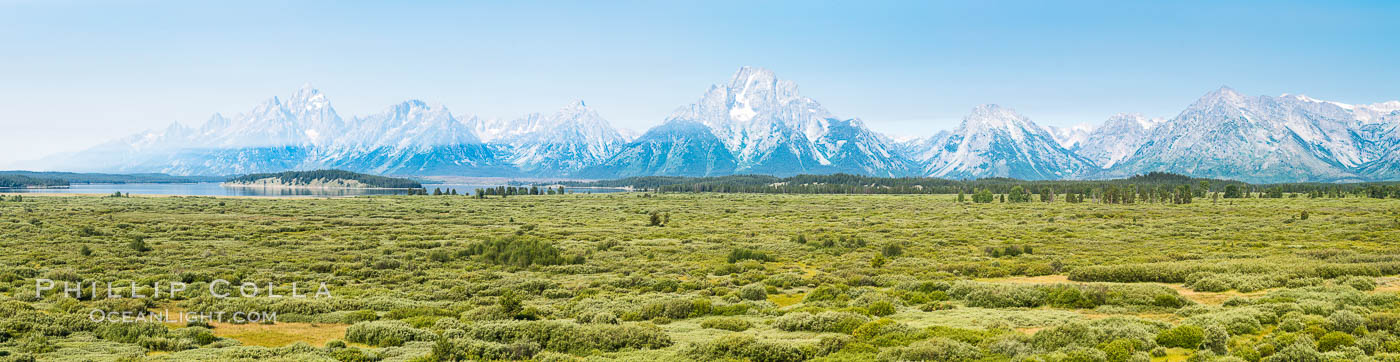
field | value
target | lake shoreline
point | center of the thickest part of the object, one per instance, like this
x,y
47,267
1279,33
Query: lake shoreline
x,y
33,188
308,187
217,189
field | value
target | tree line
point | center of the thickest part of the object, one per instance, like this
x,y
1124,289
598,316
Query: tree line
x,y
504,191
1151,187
481,193
105,178
306,177
18,181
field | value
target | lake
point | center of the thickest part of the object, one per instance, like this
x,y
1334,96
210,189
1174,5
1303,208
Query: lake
x,y
214,189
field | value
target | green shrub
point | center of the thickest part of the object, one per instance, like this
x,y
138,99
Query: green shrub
x,y
596,318
1079,354
38,343
884,332
1245,352
569,337
1382,321
881,308
934,349
130,332
361,316
1333,340
726,323
354,354
737,346
754,291
1303,282
390,333
1211,283
994,295
1237,321
1142,332
164,343
1182,336
518,251
827,293
1216,339
1296,352
138,244
199,336
676,308
738,254
829,321
1361,283
892,250
466,349
1119,350
1344,321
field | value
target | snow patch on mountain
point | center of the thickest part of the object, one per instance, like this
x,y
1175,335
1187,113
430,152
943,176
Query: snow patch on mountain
x,y
770,128
1118,138
758,123
994,141
1259,139
1069,137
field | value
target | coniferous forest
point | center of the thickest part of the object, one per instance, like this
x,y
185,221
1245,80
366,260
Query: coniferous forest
x,y
1156,186
308,177
19,181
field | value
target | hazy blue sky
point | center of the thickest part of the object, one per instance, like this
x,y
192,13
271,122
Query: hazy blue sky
x,y
76,73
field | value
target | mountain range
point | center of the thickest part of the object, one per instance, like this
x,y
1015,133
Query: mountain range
x,y
756,123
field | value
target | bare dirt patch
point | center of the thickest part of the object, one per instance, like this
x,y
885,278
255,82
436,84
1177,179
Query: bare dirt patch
x,y
1388,284
281,334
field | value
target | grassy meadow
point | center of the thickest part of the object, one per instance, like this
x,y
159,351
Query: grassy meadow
x,y
760,277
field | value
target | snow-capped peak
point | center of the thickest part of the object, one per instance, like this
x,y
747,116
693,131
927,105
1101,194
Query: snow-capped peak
x,y
307,99
1390,106
1116,139
995,141
753,87
755,112
411,124
576,111
755,122
1136,118
1307,99
1223,95
995,117
1068,137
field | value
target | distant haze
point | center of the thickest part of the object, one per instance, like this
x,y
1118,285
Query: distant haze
x,y
75,74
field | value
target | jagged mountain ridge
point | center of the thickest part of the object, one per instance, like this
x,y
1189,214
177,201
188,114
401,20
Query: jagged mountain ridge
x,y
994,141
757,123
767,127
561,143
1258,139
1114,140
